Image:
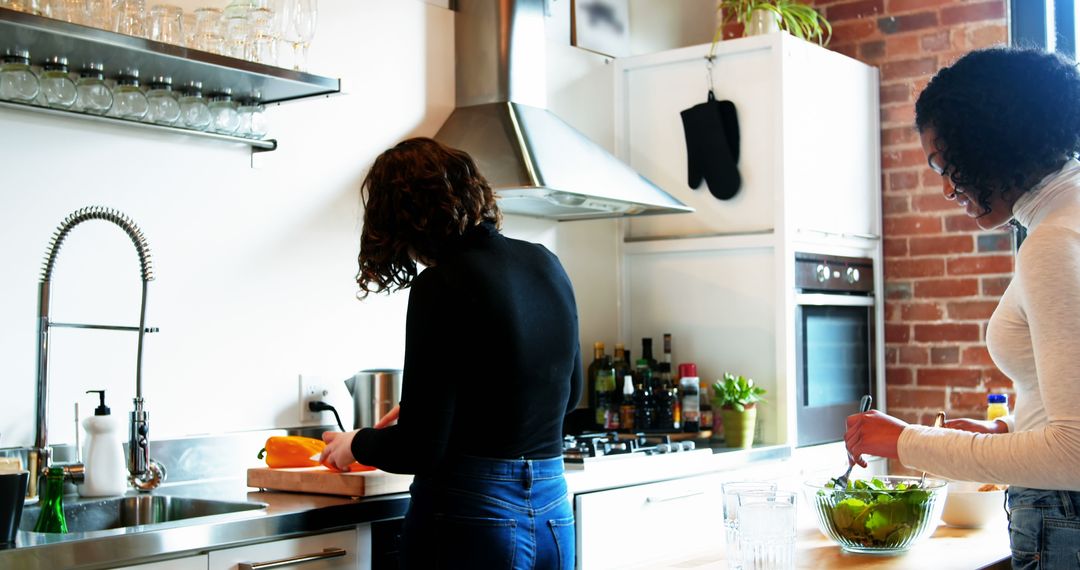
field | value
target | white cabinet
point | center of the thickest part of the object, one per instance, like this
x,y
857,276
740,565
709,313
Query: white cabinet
x,y
198,562
316,552
809,131
721,279
644,523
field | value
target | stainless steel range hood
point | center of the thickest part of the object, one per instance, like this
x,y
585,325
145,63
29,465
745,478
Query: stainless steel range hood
x,y
538,165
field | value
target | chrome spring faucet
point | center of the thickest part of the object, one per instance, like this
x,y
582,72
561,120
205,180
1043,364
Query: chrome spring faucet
x,y
145,473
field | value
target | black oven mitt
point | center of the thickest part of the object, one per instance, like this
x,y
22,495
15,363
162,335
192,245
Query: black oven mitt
x,y
712,146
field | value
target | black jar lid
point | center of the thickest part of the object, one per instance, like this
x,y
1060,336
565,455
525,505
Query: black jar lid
x,y
55,63
192,88
128,76
92,69
223,94
160,82
16,55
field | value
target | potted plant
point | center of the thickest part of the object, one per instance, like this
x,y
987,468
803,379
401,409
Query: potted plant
x,y
736,398
764,16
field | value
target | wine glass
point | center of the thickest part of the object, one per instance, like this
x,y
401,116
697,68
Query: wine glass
x,y
304,20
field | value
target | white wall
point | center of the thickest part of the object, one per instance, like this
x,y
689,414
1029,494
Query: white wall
x,y
254,267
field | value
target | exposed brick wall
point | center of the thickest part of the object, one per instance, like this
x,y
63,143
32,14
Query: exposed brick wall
x,y
943,276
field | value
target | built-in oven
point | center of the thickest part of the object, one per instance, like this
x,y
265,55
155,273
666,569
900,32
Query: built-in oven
x,y
835,344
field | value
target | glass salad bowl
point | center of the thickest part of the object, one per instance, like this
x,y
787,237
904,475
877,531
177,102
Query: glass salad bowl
x,y
882,515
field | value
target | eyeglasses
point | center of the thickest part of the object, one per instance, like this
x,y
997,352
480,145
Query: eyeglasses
x,y
940,170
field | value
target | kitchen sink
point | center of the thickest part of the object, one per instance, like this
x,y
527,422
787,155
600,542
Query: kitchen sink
x,y
90,515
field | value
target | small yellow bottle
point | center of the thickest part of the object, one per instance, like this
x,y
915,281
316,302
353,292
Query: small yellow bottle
x,y
997,405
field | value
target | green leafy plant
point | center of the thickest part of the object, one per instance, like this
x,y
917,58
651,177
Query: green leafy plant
x,y
800,20
736,392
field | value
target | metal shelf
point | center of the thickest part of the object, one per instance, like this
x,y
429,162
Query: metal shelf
x,y
45,37
257,145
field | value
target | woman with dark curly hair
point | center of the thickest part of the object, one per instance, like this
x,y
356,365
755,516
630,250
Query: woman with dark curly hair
x,y
492,365
1002,128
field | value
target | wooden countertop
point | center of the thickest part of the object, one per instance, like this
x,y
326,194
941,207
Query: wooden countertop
x,y
947,549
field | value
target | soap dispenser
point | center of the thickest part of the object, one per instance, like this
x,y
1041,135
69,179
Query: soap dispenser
x,y
106,473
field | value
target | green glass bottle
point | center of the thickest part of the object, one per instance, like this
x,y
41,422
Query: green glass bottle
x,y
52,518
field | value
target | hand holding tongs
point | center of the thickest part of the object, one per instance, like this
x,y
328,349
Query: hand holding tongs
x,y
842,481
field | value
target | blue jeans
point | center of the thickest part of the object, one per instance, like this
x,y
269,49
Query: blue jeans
x,y
1044,528
490,514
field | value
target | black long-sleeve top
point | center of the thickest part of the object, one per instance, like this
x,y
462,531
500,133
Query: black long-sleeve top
x,y
492,360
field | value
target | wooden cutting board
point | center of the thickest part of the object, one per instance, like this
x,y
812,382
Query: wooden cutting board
x,y
321,480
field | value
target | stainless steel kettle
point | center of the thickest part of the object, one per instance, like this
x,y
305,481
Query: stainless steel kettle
x,y
374,393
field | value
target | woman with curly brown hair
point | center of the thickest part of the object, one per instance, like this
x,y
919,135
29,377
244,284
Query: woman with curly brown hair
x,y
1002,128
492,365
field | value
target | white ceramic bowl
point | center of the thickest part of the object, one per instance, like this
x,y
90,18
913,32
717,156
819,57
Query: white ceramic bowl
x,y
967,507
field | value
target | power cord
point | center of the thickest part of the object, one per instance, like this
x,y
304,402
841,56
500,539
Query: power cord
x,y
321,406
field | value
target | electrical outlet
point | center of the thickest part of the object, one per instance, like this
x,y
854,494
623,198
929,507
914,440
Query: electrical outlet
x,y
312,389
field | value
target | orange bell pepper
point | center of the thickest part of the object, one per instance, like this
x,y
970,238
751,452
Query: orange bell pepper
x,y
291,451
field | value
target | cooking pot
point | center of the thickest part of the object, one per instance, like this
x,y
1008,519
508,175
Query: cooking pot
x,y
374,393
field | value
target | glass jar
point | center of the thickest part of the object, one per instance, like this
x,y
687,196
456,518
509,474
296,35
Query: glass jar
x,y
223,116
163,107
253,124
194,112
93,96
129,102
17,80
56,84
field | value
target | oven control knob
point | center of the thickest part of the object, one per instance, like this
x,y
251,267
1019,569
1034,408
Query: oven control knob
x,y
823,273
852,275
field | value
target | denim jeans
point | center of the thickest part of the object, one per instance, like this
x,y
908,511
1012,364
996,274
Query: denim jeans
x,y
490,514
1044,528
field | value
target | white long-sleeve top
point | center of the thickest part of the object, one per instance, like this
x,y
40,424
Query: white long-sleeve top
x,y
1034,338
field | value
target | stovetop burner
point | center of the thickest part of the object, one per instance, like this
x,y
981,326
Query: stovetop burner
x,y
577,449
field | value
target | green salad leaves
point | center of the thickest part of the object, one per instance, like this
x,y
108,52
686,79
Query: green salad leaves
x,y
873,514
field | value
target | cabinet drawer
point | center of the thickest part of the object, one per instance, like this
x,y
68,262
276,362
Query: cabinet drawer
x,y
308,547
189,563
644,523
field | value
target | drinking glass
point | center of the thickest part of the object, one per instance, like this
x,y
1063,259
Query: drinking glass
x,y
30,6
96,14
208,30
284,32
235,27
129,17
66,10
261,44
767,530
167,24
731,492
304,21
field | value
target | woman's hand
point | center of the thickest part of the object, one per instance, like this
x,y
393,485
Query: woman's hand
x,y
978,426
389,418
872,433
338,453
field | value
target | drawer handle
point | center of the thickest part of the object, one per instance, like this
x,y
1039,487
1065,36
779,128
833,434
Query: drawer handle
x,y
666,498
302,559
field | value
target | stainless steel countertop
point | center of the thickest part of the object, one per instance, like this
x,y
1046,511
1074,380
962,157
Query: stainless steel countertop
x,y
286,515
